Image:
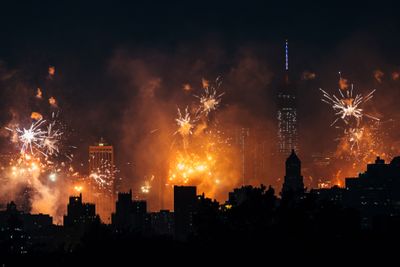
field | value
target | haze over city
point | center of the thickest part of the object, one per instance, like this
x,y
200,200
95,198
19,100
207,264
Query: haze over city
x,y
177,110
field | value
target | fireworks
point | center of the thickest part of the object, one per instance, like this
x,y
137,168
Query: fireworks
x,y
51,71
53,177
204,157
31,138
41,137
210,99
346,106
354,136
358,142
103,176
36,116
38,163
145,189
53,102
349,109
184,122
39,93
51,140
78,188
190,167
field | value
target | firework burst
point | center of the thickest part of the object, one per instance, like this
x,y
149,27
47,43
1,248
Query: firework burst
x,y
104,175
41,137
185,123
210,99
346,106
146,187
31,138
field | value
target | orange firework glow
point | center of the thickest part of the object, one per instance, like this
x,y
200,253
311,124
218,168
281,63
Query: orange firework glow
x,y
201,156
343,83
205,83
209,172
191,167
357,148
187,87
78,188
53,102
207,162
36,116
378,75
395,75
39,93
52,71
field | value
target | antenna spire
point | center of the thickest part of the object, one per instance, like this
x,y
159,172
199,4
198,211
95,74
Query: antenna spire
x,y
287,55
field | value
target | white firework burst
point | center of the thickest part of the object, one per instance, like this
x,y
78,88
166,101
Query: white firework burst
x,y
346,106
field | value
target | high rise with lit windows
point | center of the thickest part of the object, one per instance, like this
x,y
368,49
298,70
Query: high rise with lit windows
x,y
102,179
287,113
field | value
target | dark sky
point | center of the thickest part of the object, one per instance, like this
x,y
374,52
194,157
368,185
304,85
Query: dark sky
x,y
94,28
93,44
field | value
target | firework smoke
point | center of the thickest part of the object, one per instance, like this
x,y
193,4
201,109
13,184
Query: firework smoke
x,y
53,102
51,72
343,83
38,174
395,76
378,75
39,93
308,75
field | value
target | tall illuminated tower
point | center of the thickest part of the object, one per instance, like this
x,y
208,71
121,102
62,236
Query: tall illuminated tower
x,y
287,113
102,179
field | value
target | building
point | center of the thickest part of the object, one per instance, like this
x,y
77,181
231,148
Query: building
x,y
102,179
334,194
287,114
28,222
254,150
293,185
162,222
79,213
20,232
184,208
129,215
376,192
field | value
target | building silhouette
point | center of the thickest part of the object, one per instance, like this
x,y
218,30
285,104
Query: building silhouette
x,y
79,213
184,208
287,113
129,215
20,231
26,221
162,222
376,192
102,179
293,185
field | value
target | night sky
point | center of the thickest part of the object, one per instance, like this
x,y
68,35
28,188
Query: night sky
x,y
105,53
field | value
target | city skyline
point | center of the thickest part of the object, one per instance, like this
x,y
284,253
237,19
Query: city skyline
x,y
193,125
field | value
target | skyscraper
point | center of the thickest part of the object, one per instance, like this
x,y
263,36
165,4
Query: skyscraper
x,y
287,113
253,145
102,178
185,200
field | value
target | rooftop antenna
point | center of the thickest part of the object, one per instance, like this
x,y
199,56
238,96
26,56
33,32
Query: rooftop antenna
x,y
287,61
286,55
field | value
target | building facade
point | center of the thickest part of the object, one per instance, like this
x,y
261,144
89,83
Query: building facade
x,y
287,114
185,200
102,179
293,186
